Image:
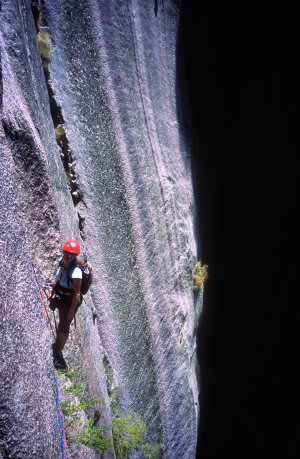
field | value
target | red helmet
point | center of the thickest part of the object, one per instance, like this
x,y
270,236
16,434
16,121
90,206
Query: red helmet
x,y
72,246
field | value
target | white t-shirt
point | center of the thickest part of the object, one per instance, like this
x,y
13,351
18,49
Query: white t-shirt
x,y
64,279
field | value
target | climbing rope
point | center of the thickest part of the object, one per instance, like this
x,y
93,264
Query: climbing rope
x,y
47,319
61,423
48,282
47,286
64,436
38,269
44,309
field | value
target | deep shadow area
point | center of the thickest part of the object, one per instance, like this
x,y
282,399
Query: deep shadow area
x,y
242,72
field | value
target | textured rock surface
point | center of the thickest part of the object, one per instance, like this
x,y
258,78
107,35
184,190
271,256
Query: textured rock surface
x,y
29,423
114,77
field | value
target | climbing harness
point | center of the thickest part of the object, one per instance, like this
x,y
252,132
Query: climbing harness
x,y
49,284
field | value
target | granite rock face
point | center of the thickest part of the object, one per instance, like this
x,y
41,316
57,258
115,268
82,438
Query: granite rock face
x,y
118,179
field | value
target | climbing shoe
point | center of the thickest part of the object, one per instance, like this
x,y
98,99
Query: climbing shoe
x,y
58,360
57,363
62,361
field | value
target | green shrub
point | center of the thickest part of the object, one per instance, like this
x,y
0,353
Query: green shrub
x,y
76,430
59,131
45,48
200,275
129,433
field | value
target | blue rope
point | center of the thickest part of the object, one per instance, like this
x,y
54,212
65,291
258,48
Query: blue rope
x,y
35,267
60,420
36,279
48,281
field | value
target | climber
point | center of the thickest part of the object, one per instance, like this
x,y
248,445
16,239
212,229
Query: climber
x,y
66,297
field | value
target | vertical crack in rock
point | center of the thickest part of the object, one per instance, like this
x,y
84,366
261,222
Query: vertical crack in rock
x,y
35,193
66,155
147,125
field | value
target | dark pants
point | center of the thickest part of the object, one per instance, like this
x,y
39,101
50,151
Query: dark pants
x,y
63,304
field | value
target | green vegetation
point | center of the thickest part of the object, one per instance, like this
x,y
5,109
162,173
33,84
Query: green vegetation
x,y
107,371
59,131
200,275
77,430
128,431
45,48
